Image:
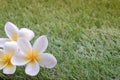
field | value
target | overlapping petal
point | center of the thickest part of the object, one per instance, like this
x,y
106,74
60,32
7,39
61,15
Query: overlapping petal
x,y
3,41
26,33
11,30
1,52
24,45
19,60
40,44
32,69
47,60
9,69
2,65
10,47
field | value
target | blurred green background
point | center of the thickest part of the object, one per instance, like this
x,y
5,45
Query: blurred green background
x,y
84,36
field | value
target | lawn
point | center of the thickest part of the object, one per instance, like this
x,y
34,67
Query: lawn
x,y
84,36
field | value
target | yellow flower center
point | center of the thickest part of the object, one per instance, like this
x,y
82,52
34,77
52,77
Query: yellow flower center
x,y
7,59
33,56
15,37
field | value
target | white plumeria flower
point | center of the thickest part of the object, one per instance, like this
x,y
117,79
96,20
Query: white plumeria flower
x,y
10,48
14,33
33,57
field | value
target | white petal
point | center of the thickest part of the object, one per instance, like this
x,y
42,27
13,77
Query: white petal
x,y
40,44
19,60
1,55
47,60
26,33
1,51
32,69
2,41
9,70
2,65
10,47
24,45
11,30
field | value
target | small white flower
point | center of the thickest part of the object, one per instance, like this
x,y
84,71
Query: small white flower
x,y
14,33
10,48
33,57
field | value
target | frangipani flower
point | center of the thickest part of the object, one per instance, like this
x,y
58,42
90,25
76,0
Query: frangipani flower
x,y
10,48
14,33
33,57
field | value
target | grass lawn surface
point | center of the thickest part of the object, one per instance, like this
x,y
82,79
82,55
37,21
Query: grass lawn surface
x,y
84,36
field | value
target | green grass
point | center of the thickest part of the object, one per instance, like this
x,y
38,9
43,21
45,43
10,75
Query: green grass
x,y
84,36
